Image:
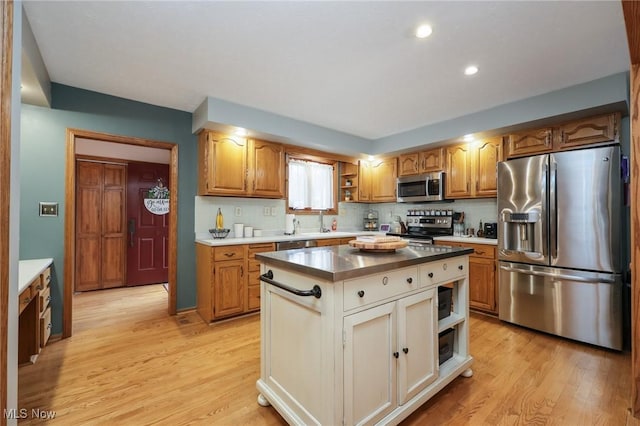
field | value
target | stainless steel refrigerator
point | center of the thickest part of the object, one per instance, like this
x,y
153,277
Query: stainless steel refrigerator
x,y
559,244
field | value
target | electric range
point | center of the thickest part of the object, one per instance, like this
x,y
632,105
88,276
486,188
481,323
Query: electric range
x,y
423,225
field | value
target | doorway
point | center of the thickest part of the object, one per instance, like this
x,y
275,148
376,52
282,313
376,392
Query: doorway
x,y
74,137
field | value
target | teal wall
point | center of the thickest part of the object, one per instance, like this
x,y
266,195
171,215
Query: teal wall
x,y
42,173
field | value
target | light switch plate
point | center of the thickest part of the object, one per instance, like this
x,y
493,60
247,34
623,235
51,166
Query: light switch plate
x,y
266,211
48,208
273,211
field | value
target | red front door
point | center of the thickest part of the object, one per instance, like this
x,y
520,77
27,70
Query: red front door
x,y
147,248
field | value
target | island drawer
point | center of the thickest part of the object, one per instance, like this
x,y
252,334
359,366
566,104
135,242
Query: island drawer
x,y
364,291
443,271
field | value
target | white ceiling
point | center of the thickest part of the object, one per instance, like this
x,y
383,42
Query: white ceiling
x,y
349,66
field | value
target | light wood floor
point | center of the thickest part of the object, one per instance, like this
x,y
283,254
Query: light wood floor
x,y
128,363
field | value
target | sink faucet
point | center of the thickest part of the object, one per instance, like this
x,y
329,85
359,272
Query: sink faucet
x,y
322,228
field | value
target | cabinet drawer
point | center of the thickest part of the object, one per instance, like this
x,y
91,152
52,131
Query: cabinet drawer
x,y
260,248
363,291
228,253
482,250
46,278
479,250
443,271
253,264
45,327
45,298
253,301
25,297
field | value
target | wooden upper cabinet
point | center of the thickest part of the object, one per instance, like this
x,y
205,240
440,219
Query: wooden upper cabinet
x,y
222,164
377,180
234,166
409,164
383,182
571,135
530,142
365,173
266,169
432,160
488,154
587,131
421,162
471,169
458,172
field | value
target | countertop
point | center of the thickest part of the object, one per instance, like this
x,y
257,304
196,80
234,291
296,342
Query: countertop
x,y
336,263
278,238
30,269
473,240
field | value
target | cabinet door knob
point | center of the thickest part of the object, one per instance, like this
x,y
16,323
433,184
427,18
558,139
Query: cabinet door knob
x,y
361,293
430,274
405,350
396,354
460,267
409,280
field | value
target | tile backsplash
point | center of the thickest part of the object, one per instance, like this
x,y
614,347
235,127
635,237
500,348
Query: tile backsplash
x,y
269,215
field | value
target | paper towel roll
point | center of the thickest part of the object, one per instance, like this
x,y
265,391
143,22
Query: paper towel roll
x,y
289,224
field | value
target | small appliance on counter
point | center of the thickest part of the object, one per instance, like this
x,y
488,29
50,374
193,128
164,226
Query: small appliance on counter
x,y
289,224
491,230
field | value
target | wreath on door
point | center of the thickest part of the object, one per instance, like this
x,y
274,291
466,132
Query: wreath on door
x,y
157,200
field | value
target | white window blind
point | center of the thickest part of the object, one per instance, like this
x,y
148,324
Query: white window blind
x,y
310,185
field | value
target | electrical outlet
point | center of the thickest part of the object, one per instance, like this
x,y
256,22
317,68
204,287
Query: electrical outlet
x,y
238,211
48,209
266,211
273,211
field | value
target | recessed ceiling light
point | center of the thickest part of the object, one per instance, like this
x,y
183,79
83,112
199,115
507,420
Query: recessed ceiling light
x,y
241,132
423,31
470,70
468,138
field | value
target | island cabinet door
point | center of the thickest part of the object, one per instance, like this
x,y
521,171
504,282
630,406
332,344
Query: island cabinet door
x,y
417,344
370,364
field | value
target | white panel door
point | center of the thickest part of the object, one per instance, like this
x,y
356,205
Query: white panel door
x,y
370,364
417,344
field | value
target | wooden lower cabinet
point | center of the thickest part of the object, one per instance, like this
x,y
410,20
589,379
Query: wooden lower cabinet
x,y
34,324
483,279
228,280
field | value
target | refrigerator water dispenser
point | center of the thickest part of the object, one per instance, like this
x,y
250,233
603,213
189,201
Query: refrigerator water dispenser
x,y
520,231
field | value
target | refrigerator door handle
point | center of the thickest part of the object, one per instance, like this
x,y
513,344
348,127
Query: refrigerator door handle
x,y
553,208
557,277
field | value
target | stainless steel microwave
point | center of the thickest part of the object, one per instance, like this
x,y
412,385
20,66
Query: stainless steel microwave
x,y
421,188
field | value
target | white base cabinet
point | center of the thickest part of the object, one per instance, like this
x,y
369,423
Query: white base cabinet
x,y
366,351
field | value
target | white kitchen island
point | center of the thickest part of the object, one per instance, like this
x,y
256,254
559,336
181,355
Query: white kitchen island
x,y
350,337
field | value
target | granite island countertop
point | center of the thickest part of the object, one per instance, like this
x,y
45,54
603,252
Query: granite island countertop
x,y
337,263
